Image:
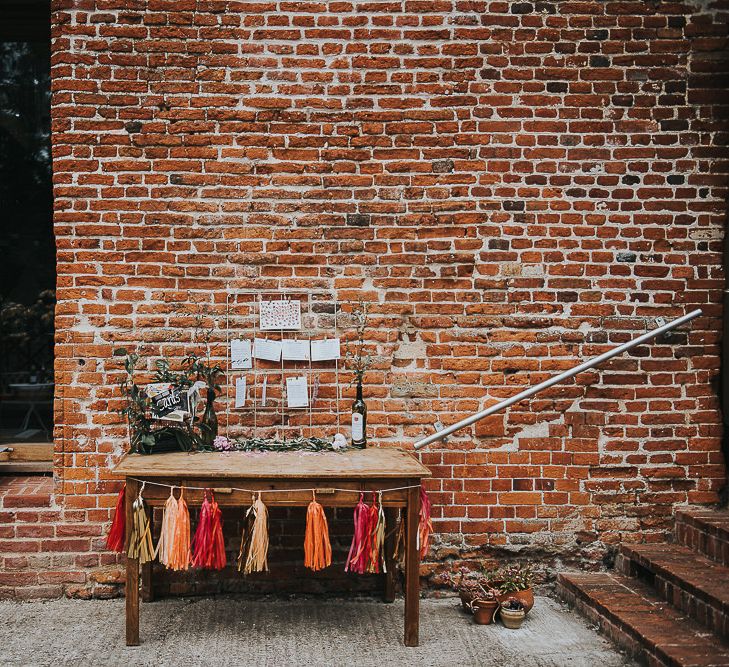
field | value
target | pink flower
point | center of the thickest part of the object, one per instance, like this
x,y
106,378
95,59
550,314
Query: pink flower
x,y
222,444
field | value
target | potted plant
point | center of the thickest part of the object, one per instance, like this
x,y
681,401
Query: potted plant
x,y
512,613
464,585
514,581
485,607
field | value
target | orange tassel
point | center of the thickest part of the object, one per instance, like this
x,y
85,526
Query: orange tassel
x,y
377,540
115,538
317,549
425,525
180,551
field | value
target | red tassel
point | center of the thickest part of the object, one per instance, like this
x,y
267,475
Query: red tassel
x,y
115,538
217,561
425,525
208,550
355,559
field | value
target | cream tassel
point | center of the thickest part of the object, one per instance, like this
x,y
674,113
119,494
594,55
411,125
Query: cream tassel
x,y
257,559
167,532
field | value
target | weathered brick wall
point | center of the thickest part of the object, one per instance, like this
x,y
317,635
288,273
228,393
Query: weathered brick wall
x,y
513,185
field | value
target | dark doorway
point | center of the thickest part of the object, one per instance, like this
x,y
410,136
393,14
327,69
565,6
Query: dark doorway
x,y
27,248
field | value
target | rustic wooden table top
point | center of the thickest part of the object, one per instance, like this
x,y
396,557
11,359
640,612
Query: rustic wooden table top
x,y
373,462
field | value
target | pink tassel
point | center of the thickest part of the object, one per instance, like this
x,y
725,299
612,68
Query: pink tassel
x,y
425,525
361,512
208,549
115,538
202,541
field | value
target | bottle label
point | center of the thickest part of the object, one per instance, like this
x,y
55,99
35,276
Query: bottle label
x,y
357,427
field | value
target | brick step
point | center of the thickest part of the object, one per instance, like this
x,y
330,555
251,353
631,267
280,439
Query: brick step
x,y
25,492
706,531
690,582
650,629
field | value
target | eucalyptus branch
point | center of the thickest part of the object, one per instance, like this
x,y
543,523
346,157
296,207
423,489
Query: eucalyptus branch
x,y
357,360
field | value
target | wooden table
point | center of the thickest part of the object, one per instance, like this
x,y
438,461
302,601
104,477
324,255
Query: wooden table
x,y
280,474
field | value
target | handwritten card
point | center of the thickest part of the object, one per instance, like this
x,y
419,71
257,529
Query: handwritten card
x,y
325,349
296,350
297,394
240,392
267,350
280,315
240,354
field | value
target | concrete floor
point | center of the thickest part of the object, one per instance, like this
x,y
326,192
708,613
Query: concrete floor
x,y
299,631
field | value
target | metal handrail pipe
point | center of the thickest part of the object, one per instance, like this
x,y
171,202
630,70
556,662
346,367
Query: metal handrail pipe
x,y
527,393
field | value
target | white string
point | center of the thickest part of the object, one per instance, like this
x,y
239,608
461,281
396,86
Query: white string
x,y
254,491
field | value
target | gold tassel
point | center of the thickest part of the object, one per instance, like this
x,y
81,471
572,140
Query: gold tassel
x,y
140,540
167,533
257,559
245,540
399,551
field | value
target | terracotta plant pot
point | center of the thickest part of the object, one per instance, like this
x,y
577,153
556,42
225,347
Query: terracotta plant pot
x,y
512,618
484,611
526,597
466,599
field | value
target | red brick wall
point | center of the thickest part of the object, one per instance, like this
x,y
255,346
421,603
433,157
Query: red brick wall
x,y
514,185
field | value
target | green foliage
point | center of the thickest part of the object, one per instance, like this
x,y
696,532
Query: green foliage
x,y
512,578
311,444
145,435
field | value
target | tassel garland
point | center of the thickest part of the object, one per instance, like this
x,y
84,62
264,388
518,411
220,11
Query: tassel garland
x,y
257,558
366,552
425,525
356,560
115,538
317,549
208,550
167,532
179,556
140,540
377,539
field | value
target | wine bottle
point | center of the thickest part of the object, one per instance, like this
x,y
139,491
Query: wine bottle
x,y
359,419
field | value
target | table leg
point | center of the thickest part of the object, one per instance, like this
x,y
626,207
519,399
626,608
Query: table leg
x,y
412,570
390,532
147,589
132,584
